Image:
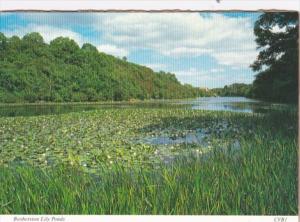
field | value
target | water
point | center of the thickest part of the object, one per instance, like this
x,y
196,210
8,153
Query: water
x,y
235,104
196,137
52,109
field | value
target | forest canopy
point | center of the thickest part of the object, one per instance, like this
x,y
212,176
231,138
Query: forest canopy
x,y
62,71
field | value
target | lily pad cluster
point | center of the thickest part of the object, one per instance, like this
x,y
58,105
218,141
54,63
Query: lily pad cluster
x,y
116,136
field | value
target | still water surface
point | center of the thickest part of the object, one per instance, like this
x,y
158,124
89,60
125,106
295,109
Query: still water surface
x,y
235,104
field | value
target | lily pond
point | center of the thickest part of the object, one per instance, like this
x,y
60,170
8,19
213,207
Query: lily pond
x,y
199,156
143,134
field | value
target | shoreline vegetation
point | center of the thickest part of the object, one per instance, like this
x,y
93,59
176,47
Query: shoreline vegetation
x,y
133,101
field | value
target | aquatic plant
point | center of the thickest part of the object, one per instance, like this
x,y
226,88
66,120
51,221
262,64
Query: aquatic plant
x,y
91,163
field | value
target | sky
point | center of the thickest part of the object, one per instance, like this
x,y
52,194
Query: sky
x,y
202,49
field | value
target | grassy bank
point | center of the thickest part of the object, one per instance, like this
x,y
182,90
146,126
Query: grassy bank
x,y
89,163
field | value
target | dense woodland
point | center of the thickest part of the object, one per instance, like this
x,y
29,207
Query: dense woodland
x,y
61,71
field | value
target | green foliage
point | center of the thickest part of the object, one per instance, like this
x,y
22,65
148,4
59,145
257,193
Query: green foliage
x,y
277,38
236,89
31,71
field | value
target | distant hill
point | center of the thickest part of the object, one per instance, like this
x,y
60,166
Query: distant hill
x,y
31,71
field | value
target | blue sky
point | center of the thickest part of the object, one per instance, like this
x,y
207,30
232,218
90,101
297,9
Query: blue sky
x,y
202,49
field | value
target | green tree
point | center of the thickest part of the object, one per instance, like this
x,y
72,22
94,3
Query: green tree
x,y
33,38
277,63
89,47
3,41
65,48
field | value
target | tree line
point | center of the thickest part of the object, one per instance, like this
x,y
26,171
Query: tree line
x,y
235,89
32,70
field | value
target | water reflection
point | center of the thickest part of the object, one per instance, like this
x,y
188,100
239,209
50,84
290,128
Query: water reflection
x,y
195,137
235,104
52,109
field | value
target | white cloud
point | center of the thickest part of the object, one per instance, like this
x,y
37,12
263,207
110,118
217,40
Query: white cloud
x,y
196,77
185,51
212,78
236,58
229,40
216,70
113,50
156,66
